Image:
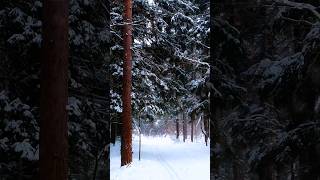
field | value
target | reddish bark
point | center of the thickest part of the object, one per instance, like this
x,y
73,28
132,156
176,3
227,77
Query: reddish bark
x,y
126,130
54,92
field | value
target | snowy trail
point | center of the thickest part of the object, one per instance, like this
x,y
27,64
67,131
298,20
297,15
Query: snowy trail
x,y
170,170
163,158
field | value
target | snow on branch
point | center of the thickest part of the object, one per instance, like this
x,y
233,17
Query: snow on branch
x,y
197,61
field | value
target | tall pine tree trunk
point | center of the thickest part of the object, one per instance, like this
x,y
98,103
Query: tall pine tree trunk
x,y
126,129
54,92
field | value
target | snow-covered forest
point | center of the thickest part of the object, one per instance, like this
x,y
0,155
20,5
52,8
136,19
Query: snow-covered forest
x,y
170,71
140,89
88,98
170,60
170,93
265,100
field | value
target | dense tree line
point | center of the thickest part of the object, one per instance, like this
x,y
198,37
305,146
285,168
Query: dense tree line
x,y
265,98
88,101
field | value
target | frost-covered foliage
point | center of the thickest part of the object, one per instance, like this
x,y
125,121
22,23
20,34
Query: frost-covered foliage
x,y
20,39
265,86
19,134
265,82
20,54
89,36
170,54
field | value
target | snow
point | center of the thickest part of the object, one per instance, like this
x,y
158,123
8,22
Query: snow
x,y
26,149
74,106
163,158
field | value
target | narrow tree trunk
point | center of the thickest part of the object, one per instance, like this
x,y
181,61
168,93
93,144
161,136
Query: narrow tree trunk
x,y
308,169
139,138
217,142
237,174
205,124
95,169
266,171
126,130
54,92
177,128
184,128
113,133
292,171
20,172
192,124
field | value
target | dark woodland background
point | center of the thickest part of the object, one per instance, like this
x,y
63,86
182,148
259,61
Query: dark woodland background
x,y
88,102
265,101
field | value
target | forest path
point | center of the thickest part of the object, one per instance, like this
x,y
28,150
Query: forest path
x,y
163,158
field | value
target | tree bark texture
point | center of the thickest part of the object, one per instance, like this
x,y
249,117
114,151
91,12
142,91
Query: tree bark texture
x,y
126,129
54,92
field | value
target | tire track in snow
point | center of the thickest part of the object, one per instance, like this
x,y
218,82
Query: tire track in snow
x,y
166,166
169,167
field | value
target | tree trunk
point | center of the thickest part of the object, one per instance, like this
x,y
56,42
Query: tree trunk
x,y
184,128
266,171
205,124
293,170
95,169
177,128
308,168
237,174
54,92
192,124
139,138
126,129
217,142
113,132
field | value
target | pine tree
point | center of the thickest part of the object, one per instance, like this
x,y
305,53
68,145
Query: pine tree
x,y
54,92
126,144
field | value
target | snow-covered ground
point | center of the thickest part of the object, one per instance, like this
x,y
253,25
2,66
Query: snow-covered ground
x,y
163,158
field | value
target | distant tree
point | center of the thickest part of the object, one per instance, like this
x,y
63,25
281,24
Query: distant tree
x,y
184,127
193,117
177,128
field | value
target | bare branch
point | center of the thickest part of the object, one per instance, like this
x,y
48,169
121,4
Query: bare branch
x,y
297,21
